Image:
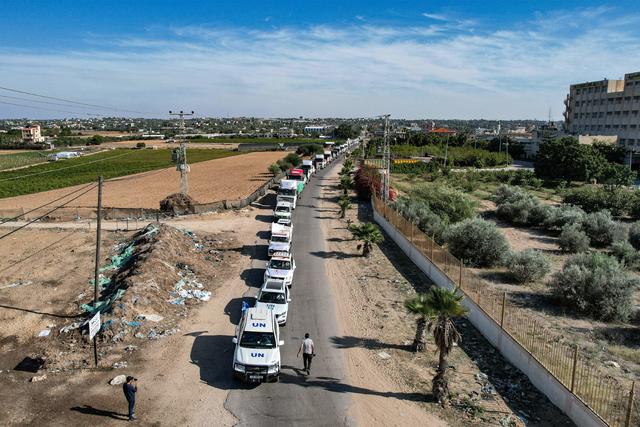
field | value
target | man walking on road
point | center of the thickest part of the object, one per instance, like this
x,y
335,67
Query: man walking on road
x,y
308,351
130,388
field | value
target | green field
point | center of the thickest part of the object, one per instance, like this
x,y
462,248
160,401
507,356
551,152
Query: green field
x,y
16,160
261,140
109,164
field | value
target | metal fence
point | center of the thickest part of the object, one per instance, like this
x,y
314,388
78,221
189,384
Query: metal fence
x,y
612,399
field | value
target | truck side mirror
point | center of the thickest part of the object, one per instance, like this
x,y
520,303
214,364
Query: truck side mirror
x,y
234,340
280,343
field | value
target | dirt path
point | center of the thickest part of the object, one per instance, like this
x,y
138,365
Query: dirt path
x,y
230,178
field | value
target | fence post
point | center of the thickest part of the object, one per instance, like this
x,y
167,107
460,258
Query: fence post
x,y
573,370
432,242
412,226
460,276
504,303
630,408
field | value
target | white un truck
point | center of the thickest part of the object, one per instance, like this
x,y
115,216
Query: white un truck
x,y
257,354
288,192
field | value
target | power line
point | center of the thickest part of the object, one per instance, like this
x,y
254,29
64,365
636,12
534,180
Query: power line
x,y
103,107
46,204
47,213
41,108
34,100
64,168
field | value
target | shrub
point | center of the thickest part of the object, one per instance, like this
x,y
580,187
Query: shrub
x,y
477,242
141,145
448,203
309,149
528,266
601,229
596,285
517,212
508,194
540,214
634,235
274,169
573,239
367,181
293,158
594,199
562,215
625,253
424,218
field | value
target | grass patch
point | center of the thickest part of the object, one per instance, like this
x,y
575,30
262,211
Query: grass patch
x,y
626,353
16,160
110,164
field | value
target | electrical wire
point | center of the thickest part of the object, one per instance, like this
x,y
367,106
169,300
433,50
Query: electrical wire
x,y
47,213
41,108
35,100
46,204
103,107
64,168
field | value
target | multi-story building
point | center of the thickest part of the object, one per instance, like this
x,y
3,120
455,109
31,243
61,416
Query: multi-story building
x,y
606,107
31,134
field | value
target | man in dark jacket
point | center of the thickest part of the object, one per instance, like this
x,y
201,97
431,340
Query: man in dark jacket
x,y
130,388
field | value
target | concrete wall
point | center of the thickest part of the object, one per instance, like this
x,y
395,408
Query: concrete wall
x,y
517,355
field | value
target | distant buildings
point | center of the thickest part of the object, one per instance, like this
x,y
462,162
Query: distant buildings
x,y
31,135
606,108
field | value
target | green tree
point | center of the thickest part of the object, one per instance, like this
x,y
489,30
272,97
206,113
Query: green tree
x,y
345,204
345,131
346,183
445,305
419,308
274,169
568,160
369,234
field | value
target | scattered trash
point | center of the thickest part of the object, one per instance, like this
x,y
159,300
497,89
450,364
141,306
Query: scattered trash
x,y
44,333
153,335
103,305
140,335
384,355
119,260
118,379
131,347
134,324
611,364
119,365
177,301
118,337
71,327
151,317
481,377
38,378
16,284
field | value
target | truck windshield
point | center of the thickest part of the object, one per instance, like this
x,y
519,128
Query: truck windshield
x,y
272,297
296,178
258,340
279,264
286,192
283,209
282,239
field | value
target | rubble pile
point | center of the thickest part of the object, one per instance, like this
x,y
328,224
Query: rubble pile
x,y
178,204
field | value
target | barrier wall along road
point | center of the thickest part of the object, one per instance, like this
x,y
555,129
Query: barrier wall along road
x,y
579,389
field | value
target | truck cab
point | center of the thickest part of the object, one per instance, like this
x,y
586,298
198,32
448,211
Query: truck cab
x,y
257,353
281,266
280,240
307,167
327,156
274,296
319,161
288,192
297,175
283,210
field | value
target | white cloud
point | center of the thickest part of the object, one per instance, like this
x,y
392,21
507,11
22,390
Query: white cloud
x,y
440,70
435,16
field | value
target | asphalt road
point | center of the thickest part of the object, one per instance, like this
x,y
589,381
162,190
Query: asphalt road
x,y
320,399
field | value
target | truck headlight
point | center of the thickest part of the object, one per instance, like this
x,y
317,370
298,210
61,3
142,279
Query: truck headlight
x,y
238,367
273,369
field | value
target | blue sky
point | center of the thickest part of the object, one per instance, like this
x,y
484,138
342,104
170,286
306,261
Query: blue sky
x,y
435,59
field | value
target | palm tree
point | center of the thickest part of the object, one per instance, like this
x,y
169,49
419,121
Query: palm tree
x,y
344,204
367,233
418,306
274,169
346,183
444,304
347,164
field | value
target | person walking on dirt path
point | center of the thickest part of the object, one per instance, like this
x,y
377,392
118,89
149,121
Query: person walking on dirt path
x,y
308,351
130,388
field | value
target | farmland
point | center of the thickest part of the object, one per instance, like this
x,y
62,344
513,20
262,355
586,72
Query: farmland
x,y
23,158
261,140
110,164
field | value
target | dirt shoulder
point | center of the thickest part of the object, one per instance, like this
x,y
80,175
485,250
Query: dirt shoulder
x,y
378,333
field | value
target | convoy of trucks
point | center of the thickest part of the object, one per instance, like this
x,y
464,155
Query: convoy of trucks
x,y
257,339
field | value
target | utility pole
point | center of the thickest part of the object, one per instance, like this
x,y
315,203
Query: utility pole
x,y
179,155
386,160
97,266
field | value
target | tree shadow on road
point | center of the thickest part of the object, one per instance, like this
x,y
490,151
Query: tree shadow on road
x,y
368,343
334,254
90,410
